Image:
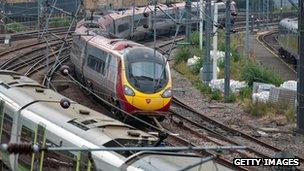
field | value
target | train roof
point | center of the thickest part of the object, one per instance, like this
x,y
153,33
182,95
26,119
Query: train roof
x,y
24,93
116,46
290,23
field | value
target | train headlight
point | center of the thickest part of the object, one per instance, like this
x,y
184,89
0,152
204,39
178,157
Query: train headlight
x,y
167,93
128,91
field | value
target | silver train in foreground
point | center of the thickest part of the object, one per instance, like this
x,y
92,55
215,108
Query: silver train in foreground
x,y
31,113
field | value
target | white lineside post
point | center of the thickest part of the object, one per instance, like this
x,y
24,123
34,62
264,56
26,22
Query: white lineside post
x,y
201,23
215,42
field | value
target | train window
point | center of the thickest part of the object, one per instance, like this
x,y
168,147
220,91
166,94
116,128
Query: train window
x,y
27,135
7,128
64,161
79,125
148,70
96,64
123,27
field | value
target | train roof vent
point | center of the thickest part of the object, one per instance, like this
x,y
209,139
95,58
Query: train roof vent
x,y
133,134
84,112
39,90
114,124
13,83
16,77
88,122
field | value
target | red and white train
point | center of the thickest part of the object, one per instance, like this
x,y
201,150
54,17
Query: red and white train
x,y
133,77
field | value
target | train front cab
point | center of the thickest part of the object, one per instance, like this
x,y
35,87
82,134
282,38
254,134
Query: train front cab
x,y
146,82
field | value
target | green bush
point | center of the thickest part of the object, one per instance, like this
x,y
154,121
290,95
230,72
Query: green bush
x,y
195,38
16,27
203,88
255,73
59,22
231,98
221,64
235,55
216,95
182,55
258,109
196,68
290,114
245,93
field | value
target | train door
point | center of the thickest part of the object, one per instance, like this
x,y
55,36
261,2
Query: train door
x,y
6,129
112,74
123,27
27,135
44,161
95,70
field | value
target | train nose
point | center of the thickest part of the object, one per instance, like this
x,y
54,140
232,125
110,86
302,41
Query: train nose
x,y
148,103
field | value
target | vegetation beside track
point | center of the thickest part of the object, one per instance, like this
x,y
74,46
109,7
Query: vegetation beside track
x,y
15,27
59,22
242,69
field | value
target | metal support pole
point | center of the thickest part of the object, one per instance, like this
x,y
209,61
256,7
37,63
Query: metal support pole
x,y
188,16
227,50
247,29
41,17
154,37
281,10
300,84
252,16
215,37
267,15
201,23
133,15
2,19
263,14
258,22
206,71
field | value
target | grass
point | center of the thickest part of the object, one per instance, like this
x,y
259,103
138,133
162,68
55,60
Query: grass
x,y
242,69
260,109
59,22
15,27
253,72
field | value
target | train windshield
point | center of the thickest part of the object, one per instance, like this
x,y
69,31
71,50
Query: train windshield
x,y
146,72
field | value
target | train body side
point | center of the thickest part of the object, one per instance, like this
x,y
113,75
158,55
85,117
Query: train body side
x,y
288,40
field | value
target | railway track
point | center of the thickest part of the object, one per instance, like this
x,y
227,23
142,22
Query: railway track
x,y
206,131
191,120
214,132
31,59
269,41
34,34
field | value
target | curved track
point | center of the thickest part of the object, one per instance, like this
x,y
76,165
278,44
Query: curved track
x,y
204,130
34,34
268,40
